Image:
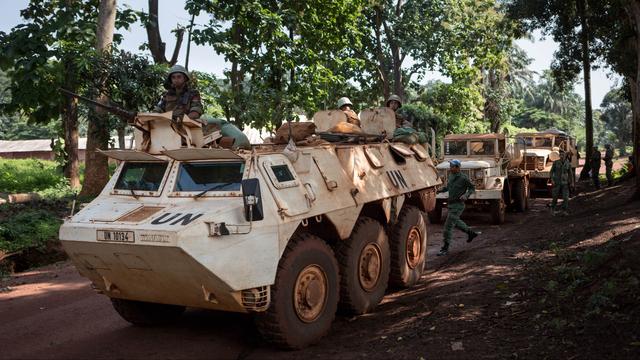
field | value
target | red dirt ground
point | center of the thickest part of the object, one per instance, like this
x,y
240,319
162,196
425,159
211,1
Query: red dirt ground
x,y
483,301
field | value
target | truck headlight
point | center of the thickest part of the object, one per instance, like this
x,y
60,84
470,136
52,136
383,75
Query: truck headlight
x,y
540,163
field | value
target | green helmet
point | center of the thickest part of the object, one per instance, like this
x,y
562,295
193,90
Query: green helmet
x,y
394,97
179,69
344,101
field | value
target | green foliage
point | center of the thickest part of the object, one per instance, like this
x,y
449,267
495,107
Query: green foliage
x,y
617,117
28,175
28,229
210,91
283,54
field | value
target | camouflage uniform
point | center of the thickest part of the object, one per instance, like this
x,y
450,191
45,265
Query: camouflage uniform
x,y
458,185
595,161
180,102
560,175
608,163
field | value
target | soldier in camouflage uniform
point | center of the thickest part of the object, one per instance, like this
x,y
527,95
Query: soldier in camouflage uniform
x,y
179,98
345,105
608,163
394,103
460,188
595,162
560,176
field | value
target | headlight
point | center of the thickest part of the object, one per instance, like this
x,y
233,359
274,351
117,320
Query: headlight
x,y
479,174
540,162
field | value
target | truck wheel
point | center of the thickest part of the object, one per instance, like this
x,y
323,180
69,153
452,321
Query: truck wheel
x,y
408,247
142,313
364,267
497,211
304,297
519,196
435,215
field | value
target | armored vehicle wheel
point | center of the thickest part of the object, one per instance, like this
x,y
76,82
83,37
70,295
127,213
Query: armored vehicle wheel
x,y
145,313
497,211
304,297
364,261
519,196
408,247
435,215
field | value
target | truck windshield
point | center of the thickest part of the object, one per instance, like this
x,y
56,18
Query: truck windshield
x,y
482,147
455,148
211,176
536,141
141,176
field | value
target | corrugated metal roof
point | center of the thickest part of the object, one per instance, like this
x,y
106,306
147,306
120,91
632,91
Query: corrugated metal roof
x,y
16,146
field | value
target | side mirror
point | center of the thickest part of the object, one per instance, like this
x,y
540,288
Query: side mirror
x,y
252,200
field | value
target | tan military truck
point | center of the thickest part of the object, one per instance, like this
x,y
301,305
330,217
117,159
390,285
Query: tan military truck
x,y
539,151
492,164
288,232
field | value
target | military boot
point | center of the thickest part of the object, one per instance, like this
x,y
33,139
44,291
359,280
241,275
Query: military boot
x,y
472,235
443,252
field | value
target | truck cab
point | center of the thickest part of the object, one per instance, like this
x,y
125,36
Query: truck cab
x,y
492,166
539,151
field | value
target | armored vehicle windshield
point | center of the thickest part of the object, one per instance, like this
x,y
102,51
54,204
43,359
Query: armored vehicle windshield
x,y
210,176
141,176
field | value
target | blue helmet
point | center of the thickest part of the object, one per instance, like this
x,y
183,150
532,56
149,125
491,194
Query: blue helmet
x,y
454,162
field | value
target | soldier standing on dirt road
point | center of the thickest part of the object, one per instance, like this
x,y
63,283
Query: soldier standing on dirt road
x,y
179,98
560,175
460,188
608,163
346,106
595,161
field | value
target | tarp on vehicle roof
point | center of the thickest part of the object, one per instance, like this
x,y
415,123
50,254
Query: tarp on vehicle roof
x,y
474,136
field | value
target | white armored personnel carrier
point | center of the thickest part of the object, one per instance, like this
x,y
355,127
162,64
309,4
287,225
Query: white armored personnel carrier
x,y
492,164
291,233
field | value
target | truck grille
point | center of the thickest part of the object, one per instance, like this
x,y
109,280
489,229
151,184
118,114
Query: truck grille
x,y
256,299
531,163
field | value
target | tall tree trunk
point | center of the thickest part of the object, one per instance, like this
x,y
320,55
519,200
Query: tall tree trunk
x,y
586,68
634,7
237,78
97,166
70,128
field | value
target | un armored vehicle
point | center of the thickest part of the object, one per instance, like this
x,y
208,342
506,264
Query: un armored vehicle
x,y
290,232
493,166
539,151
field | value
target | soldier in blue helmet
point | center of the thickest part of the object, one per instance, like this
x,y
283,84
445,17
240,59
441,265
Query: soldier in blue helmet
x,y
460,188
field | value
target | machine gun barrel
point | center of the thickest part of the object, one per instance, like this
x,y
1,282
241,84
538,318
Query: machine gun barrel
x,y
126,115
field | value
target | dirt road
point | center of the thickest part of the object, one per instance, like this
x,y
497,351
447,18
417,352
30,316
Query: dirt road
x,y
476,303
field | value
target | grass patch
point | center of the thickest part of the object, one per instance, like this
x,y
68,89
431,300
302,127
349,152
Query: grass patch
x,y
28,229
28,175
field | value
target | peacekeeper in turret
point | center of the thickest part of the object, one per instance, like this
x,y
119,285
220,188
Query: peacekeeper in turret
x,y
346,106
394,103
179,98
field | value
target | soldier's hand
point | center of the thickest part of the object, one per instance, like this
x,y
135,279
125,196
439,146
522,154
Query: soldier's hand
x,y
464,197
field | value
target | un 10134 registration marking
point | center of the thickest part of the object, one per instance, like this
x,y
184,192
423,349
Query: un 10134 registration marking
x,y
116,236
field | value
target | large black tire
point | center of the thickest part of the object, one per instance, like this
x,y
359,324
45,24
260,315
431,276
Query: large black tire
x,y
142,313
408,247
304,298
497,211
435,215
519,195
364,261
